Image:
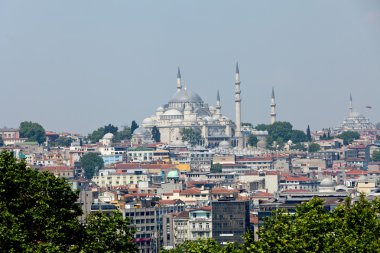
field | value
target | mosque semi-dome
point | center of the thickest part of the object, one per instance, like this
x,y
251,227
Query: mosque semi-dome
x,y
173,112
147,121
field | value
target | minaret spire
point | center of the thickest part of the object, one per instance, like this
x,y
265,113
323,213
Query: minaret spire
x,y
238,108
273,108
350,109
179,84
218,106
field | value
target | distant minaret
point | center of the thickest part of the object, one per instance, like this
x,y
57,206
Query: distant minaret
x,y
179,85
238,107
218,106
273,108
350,106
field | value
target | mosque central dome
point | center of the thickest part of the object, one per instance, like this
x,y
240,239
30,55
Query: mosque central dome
x,y
186,96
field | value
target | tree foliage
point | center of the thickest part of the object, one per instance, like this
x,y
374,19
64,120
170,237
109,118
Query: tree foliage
x,y
376,156
61,141
308,133
353,226
39,213
120,234
280,132
314,147
134,126
252,140
98,134
37,210
156,134
33,131
91,163
124,134
191,135
349,136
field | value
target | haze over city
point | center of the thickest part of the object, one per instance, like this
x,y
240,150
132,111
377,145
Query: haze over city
x,y
75,67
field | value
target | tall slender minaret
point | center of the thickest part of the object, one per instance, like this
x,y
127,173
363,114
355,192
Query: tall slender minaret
x,y
272,108
238,108
218,106
179,85
350,110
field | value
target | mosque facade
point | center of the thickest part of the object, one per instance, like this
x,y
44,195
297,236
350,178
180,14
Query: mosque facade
x,y
186,109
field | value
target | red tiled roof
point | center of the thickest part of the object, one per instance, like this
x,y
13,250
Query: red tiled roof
x,y
125,166
356,172
56,168
262,194
297,178
295,191
190,191
223,191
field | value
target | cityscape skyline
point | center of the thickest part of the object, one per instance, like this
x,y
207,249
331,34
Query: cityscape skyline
x,y
79,72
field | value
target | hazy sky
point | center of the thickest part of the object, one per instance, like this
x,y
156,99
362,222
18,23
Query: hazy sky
x,y
77,65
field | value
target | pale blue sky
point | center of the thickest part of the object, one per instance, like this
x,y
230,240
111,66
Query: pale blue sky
x,y
77,65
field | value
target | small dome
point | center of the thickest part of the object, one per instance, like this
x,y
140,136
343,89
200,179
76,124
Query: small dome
x,y
173,112
108,136
216,117
173,174
207,118
261,144
160,109
147,121
327,182
140,131
224,144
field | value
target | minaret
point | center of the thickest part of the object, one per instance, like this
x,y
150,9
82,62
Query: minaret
x,y
350,106
218,106
238,108
179,85
272,108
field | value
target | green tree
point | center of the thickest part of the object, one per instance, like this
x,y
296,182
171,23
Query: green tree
x,y
1,141
119,234
308,133
134,126
38,212
350,227
252,140
298,136
191,135
110,129
91,163
349,136
96,135
204,246
156,134
314,147
299,146
124,134
262,127
376,156
216,168
62,141
33,131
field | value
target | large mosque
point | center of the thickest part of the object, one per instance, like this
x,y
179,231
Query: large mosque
x,y
187,109
356,122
